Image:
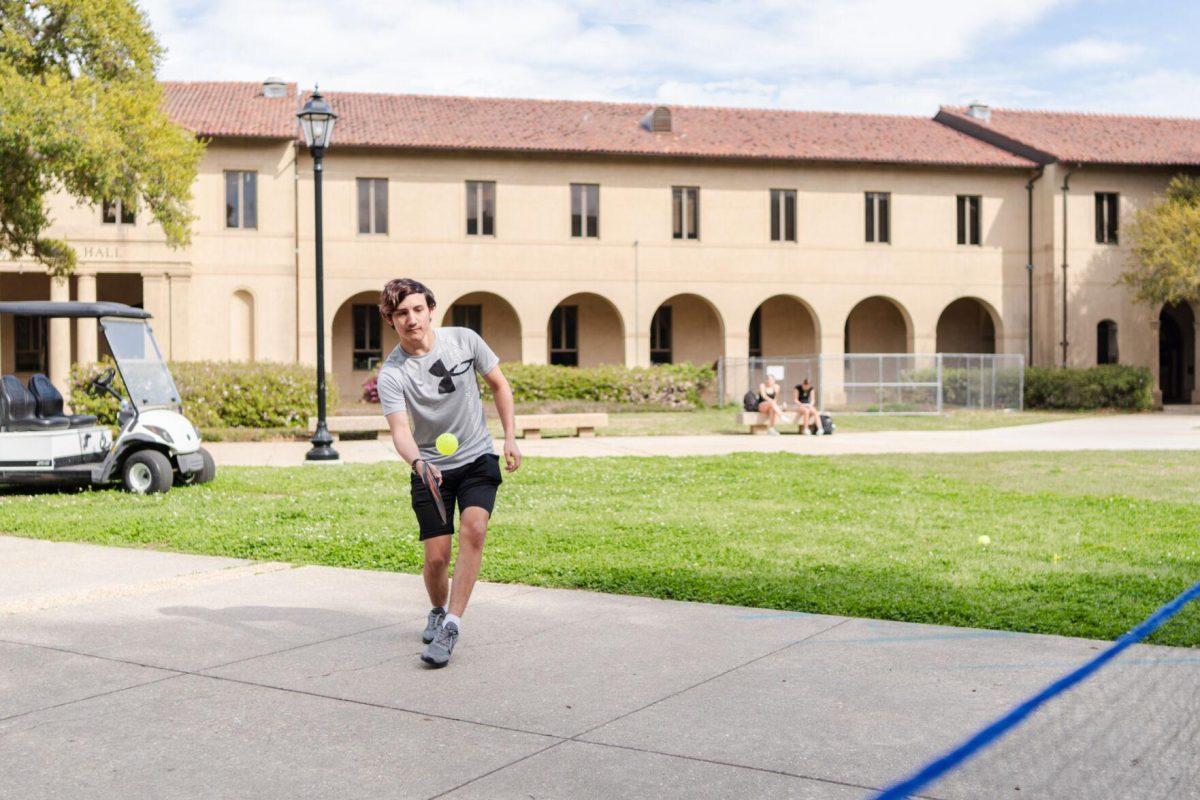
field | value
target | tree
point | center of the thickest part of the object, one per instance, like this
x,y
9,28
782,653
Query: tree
x,y
1164,264
81,112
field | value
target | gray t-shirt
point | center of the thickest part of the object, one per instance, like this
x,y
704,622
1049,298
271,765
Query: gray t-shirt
x,y
440,394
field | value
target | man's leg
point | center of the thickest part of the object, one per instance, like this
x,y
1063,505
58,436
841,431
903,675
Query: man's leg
x,y
472,530
436,570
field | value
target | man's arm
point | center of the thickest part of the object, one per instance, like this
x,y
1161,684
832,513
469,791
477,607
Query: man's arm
x,y
405,444
504,407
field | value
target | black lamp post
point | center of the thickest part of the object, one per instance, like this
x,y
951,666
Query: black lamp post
x,y
316,120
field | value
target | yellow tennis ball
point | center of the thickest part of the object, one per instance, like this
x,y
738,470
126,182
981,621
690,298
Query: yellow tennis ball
x,y
447,444
985,539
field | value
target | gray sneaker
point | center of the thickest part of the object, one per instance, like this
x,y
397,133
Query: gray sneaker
x,y
436,615
437,654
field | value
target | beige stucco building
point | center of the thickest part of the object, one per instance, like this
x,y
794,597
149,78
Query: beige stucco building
x,y
717,232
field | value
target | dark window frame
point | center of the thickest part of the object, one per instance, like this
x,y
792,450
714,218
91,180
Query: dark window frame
x,y
1108,217
685,209
968,208
469,315
585,211
783,215
481,208
374,191
113,211
1107,342
878,217
661,336
564,336
367,336
241,199
31,343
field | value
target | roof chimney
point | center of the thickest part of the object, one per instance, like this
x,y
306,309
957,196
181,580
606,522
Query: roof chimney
x,y
979,111
274,87
657,120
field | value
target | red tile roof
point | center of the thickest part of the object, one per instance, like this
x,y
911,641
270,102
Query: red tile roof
x,y
233,109
557,126
1087,138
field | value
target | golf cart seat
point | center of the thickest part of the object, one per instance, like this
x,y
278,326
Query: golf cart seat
x,y
18,409
49,403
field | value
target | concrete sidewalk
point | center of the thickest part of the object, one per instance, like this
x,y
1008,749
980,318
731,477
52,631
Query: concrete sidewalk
x,y
134,674
1171,431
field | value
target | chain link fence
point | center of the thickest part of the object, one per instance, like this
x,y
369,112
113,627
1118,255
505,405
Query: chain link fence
x,y
886,383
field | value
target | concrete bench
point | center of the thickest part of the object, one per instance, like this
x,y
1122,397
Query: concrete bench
x,y
757,422
531,425
352,424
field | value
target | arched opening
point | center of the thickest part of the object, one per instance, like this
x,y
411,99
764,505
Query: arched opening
x,y
878,325
492,317
1176,353
585,330
241,326
1106,342
966,326
360,341
783,326
686,328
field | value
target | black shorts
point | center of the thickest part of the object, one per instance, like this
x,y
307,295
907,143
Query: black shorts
x,y
471,484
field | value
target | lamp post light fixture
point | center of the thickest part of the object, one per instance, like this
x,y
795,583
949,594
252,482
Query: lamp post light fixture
x,y
316,120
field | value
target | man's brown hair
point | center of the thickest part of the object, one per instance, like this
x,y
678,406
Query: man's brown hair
x,y
396,290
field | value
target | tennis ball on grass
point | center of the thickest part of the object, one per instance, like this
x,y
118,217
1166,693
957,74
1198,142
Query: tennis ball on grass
x,y
447,444
985,539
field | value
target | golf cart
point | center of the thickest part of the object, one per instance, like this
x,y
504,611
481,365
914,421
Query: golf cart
x,y
155,445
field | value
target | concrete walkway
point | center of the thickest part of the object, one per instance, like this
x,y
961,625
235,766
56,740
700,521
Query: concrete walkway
x,y
134,674
1170,431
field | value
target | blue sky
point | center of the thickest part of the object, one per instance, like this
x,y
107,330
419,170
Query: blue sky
x,y
887,56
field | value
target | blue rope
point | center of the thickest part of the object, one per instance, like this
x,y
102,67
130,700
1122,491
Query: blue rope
x,y
939,767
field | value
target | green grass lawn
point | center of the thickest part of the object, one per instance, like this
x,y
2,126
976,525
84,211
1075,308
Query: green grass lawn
x,y
1082,544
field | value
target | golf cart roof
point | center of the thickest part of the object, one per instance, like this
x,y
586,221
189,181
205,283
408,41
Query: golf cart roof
x,y
46,308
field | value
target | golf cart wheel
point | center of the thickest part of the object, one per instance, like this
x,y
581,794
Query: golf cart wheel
x,y
206,473
147,472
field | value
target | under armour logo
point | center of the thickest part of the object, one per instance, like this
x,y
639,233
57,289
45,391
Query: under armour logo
x,y
446,384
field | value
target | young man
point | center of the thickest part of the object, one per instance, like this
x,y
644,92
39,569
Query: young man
x,y
430,377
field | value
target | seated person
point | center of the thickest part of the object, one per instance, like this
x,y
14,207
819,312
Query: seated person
x,y
768,403
807,414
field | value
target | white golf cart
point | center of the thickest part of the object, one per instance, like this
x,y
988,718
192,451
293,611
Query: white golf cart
x,y
155,445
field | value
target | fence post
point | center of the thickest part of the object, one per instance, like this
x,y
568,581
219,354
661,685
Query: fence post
x,y
939,383
820,382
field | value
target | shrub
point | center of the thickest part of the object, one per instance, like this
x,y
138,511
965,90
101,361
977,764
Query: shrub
x,y
1108,386
222,393
666,385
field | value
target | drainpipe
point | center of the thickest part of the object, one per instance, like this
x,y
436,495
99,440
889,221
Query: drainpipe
x,y
1066,187
1029,263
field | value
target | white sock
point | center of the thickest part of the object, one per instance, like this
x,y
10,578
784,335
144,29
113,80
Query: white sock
x,y
453,618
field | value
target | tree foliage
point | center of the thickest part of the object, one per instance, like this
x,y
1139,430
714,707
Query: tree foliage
x,y
1164,264
81,112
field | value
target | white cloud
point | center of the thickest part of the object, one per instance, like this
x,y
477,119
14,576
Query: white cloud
x,y
1094,52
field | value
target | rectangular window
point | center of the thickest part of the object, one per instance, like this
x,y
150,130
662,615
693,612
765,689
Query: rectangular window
x,y
368,330
585,210
241,199
372,205
468,316
564,342
481,208
660,336
878,222
29,340
685,204
1106,217
115,209
968,219
756,333
783,215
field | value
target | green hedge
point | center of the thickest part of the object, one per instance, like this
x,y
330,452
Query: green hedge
x,y
222,393
666,385
1109,386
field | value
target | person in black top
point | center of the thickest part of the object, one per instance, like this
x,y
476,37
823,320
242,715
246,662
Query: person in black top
x,y
768,403
802,396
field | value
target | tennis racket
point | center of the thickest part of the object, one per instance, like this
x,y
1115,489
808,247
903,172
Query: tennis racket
x,y
434,490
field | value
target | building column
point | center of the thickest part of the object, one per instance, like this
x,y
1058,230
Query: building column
x,y
179,291
535,347
833,370
156,300
1156,385
60,339
86,336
